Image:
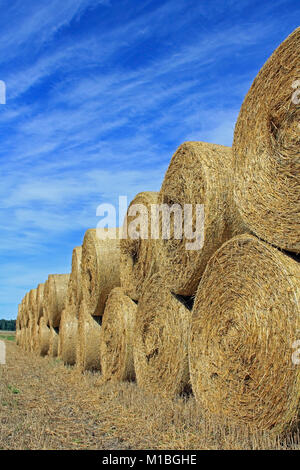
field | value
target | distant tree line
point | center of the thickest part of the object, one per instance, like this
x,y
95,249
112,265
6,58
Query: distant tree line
x,y
8,325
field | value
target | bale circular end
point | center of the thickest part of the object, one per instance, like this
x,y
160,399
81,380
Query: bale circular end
x,y
137,254
100,269
266,148
116,342
199,175
88,340
161,340
245,321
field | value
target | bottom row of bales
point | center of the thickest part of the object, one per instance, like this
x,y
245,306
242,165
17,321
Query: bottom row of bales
x,y
231,345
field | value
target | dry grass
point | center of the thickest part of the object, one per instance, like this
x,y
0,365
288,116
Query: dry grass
x,y
45,405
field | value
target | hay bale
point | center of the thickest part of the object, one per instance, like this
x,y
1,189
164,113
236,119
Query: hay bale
x,y
68,335
198,174
74,287
53,342
69,318
32,304
245,320
161,340
267,149
40,302
116,341
88,340
100,270
137,255
26,309
18,337
55,291
43,337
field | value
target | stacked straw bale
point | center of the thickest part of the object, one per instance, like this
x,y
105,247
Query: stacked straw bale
x,y
199,173
69,319
245,320
32,304
88,340
161,340
55,291
116,340
266,148
39,301
43,337
100,268
137,257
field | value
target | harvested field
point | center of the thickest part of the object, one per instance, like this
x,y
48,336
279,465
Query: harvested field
x,y
46,405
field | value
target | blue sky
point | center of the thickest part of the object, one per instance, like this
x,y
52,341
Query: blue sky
x,y
100,93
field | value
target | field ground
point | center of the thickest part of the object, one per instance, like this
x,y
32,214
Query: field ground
x,y
8,335
46,405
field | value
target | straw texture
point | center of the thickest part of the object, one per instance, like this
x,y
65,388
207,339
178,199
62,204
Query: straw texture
x,y
88,340
137,255
55,291
116,341
32,304
39,301
69,318
100,270
199,173
161,340
246,318
43,337
267,150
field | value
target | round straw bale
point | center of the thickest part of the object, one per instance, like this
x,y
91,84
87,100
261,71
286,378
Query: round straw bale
x,y
198,174
267,149
23,340
55,291
68,334
88,340
32,304
116,341
74,287
18,337
161,340
27,339
26,309
43,337
21,320
100,269
53,342
245,321
69,318
137,254
39,301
